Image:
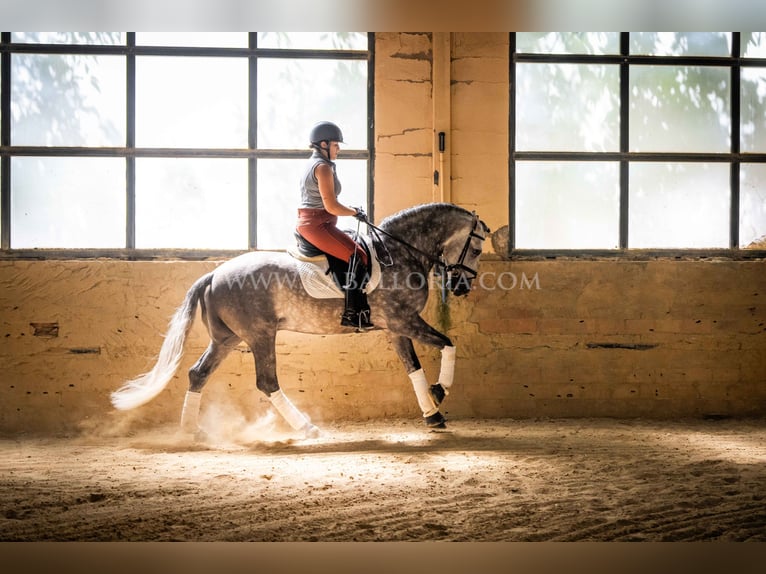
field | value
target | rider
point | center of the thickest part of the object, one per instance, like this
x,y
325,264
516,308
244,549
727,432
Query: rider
x,y
318,215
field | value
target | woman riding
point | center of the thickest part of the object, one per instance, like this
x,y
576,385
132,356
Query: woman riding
x,y
318,217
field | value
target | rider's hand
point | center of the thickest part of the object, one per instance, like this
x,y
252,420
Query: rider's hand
x,y
360,214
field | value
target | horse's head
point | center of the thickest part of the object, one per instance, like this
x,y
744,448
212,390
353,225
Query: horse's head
x,y
461,255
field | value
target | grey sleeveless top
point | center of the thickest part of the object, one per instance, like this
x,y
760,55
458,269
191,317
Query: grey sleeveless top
x,y
310,196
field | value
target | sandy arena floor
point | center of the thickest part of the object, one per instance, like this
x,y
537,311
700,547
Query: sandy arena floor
x,y
482,480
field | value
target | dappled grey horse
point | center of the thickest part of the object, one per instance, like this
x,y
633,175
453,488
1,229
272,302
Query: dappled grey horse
x,y
251,297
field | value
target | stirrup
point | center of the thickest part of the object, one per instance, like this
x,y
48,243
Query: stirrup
x,y
364,320
357,319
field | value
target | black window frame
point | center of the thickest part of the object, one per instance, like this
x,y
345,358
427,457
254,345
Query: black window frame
x,y
130,152
734,157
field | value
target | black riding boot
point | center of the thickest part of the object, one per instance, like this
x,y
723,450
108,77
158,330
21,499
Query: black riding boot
x,y
357,310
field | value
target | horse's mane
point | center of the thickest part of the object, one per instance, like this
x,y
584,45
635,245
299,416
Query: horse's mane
x,y
419,211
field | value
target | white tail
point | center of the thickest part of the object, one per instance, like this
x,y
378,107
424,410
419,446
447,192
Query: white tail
x,y
143,389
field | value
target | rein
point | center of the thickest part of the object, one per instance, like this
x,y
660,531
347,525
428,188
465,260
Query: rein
x,y
375,232
438,262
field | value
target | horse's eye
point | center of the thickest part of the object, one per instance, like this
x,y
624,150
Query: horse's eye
x,y
475,252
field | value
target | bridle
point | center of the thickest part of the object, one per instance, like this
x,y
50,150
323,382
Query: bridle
x,y
450,270
460,265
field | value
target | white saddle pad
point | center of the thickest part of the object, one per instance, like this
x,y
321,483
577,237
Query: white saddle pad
x,y
319,283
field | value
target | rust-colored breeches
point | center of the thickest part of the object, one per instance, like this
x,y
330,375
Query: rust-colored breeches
x,y
319,227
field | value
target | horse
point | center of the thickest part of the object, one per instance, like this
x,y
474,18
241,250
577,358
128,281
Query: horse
x,y
254,295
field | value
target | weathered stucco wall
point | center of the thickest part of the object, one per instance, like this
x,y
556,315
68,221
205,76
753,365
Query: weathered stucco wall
x,y
406,139
547,338
618,338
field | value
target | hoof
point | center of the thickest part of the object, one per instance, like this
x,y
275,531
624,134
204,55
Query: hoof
x,y
437,393
436,421
311,431
195,434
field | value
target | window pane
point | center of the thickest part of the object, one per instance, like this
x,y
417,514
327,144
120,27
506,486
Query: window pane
x,y
752,203
753,44
191,203
567,205
279,197
753,115
313,40
679,109
101,38
679,205
67,202
681,43
549,118
193,39
68,100
191,102
295,94
568,42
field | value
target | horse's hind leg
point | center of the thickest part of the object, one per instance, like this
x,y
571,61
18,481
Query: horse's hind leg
x,y
198,376
264,353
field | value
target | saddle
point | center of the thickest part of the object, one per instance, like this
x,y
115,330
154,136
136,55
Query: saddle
x,y
322,274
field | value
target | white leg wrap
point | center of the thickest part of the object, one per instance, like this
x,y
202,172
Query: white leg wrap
x,y
420,385
288,410
447,371
190,412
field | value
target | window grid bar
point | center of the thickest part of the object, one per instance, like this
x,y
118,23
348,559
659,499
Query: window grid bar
x,y
252,143
624,207
371,126
130,143
636,60
180,51
640,156
45,151
735,144
512,147
5,141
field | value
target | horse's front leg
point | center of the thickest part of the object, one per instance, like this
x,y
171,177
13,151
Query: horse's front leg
x,y
429,398
424,333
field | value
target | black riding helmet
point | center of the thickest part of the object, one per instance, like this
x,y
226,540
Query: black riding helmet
x,y
325,131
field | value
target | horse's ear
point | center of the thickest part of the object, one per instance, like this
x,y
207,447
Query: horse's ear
x,y
484,225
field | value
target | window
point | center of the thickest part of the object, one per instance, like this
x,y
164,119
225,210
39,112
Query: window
x,y
117,142
638,140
